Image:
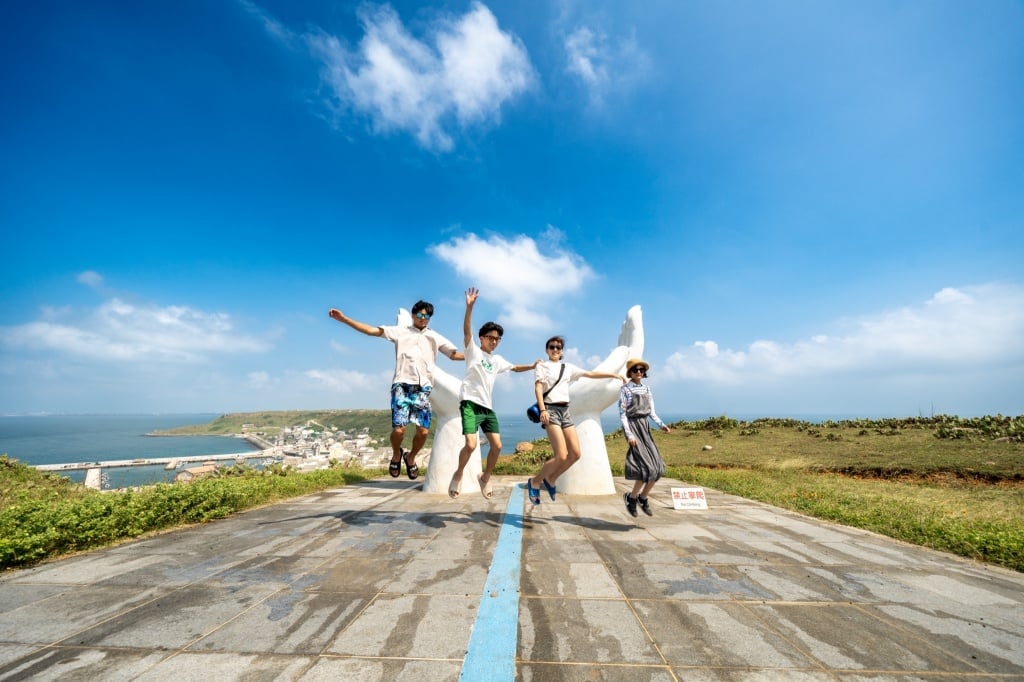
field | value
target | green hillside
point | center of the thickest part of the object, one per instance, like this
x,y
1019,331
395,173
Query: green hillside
x,y
377,421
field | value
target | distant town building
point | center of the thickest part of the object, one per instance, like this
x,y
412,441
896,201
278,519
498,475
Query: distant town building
x,y
191,474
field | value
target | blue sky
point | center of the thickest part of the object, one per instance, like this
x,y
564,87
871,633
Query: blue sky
x,y
818,206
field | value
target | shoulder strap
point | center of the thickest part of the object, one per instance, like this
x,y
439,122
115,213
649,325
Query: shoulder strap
x,y
560,373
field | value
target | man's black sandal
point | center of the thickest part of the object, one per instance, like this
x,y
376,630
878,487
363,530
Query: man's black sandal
x,y
413,470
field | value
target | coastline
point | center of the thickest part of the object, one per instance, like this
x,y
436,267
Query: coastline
x,y
154,461
248,437
162,434
122,439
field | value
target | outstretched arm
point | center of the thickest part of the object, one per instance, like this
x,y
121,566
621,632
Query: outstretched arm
x,y
369,330
525,368
604,375
467,322
657,419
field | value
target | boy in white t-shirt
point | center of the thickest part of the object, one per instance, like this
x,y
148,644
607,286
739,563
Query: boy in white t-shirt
x,y
416,349
483,365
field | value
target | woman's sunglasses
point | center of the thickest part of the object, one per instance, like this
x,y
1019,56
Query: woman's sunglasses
x,y
552,346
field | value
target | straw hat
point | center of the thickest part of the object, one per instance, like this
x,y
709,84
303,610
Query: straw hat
x,y
633,362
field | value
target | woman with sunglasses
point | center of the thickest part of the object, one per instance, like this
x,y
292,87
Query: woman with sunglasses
x,y
552,378
644,465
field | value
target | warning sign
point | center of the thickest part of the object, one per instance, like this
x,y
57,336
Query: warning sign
x,y
689,498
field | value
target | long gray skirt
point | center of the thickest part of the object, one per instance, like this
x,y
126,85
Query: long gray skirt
x,y
643,461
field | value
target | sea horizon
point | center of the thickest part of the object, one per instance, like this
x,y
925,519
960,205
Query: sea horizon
x,y
70,438
688,416
57,438
63,438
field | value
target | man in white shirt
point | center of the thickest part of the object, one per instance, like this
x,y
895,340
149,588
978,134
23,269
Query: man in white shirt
x,y
483,365
416,349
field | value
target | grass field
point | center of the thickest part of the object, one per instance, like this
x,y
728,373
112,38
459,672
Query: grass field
x,y
952,484
377,421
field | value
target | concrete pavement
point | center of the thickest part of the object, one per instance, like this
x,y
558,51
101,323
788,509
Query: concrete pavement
x,y
380,581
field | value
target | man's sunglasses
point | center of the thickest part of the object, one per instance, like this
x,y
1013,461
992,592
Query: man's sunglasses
x,y
423,316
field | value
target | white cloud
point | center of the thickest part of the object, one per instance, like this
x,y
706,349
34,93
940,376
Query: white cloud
x,y
257,379
122,332
957,330
949,295
604,65
586,56
465,70
481,65
271,25
90,278
520,273
345,381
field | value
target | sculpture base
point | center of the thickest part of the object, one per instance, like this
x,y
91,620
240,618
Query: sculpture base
x,y
444,460
592,475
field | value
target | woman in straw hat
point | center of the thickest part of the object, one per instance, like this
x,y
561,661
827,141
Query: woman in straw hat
x,y
644,464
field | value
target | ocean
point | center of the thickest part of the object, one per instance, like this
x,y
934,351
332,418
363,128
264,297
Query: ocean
x,y
516,428
59,439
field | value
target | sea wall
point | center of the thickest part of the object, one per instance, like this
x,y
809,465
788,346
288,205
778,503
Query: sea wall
x,y
257,441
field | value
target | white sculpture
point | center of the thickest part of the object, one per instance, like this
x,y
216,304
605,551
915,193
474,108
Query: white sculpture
x,y
592,475
447,426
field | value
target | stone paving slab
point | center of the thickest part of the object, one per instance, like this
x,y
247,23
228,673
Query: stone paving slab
x,y
380,581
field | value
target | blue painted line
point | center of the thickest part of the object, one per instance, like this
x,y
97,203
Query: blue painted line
x,y
492,644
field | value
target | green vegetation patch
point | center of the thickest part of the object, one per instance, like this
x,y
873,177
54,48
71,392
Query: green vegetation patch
x,y
44,516
377,421
979,522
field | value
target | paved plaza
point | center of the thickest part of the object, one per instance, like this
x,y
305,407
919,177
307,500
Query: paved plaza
x,y
380,581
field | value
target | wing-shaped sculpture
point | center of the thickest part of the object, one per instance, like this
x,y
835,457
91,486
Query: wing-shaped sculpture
x,y
448,438
588,398
592,475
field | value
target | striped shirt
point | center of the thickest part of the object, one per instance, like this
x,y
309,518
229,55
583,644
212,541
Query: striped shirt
x,y
626,393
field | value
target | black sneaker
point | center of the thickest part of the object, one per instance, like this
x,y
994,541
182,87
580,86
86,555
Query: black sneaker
x,y
630,503
645,504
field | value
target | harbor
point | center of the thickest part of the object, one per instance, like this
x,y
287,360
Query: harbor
x,y
103,475
266,450
239,457
116,452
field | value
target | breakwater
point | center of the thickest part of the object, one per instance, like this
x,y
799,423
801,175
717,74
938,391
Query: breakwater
x,y
152,461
